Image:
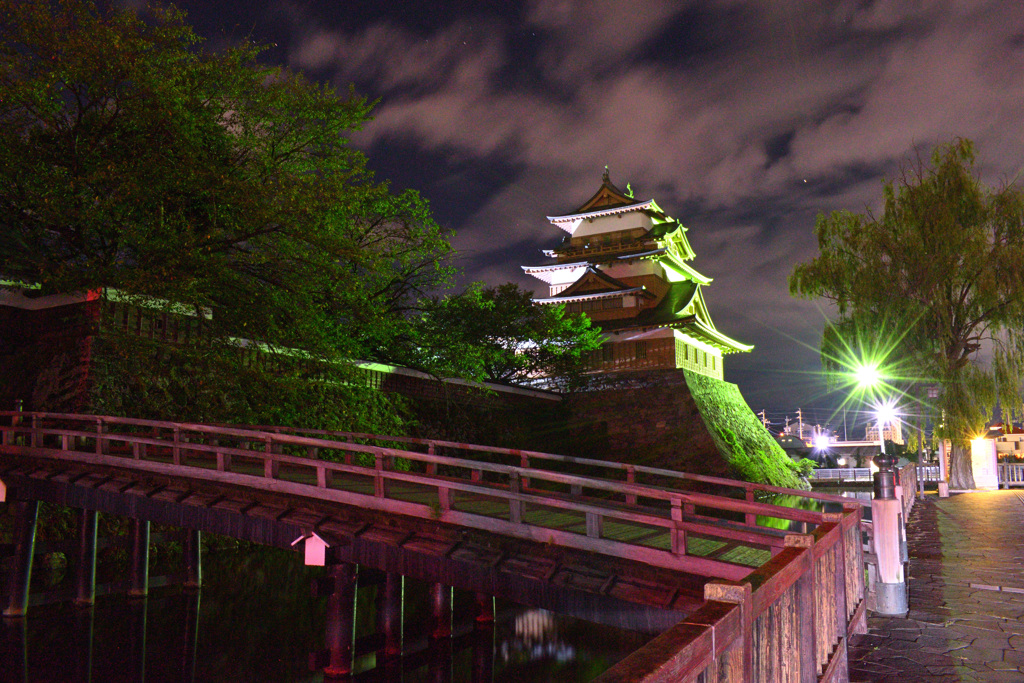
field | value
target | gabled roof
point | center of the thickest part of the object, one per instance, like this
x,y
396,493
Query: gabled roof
x,y
608,200
607,197
593,281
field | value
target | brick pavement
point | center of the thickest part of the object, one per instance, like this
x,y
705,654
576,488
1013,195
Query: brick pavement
x,y
966,590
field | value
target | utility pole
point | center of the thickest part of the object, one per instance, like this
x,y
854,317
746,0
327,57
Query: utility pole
x,y
764,420
800,424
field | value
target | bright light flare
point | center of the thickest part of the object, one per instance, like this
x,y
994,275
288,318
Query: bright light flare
x,y
822,442
868,376
885,412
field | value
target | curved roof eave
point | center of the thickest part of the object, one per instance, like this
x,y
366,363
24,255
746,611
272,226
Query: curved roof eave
x,y
688,271
639,206
728,344
590,297
555,266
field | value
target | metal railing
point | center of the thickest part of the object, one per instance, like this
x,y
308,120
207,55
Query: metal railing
x,y
927,473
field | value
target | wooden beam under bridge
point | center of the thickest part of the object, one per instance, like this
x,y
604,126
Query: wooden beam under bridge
x,y
615,592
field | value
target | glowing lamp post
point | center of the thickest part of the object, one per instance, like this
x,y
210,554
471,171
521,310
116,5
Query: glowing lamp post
x,y
885,477
886,509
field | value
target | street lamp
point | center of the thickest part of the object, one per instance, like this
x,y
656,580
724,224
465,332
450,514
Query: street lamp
x,y
886,507
885,413
867,375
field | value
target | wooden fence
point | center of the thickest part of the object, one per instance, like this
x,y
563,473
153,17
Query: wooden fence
x,y
785,616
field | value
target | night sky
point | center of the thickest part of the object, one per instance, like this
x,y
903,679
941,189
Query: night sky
x,y
743,119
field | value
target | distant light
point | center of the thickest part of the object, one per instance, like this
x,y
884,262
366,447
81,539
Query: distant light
x,y
842,462
822,442
885,412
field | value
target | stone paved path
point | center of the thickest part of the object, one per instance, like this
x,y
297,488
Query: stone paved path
x,y
966,579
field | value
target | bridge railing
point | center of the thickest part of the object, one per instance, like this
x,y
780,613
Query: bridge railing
x,y
789,620
263,459
626,472
788,617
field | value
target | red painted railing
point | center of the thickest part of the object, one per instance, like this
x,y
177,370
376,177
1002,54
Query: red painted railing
x,y
785,620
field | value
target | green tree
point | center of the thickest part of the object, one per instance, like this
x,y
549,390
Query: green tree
x,y
499,334
133,159
925,287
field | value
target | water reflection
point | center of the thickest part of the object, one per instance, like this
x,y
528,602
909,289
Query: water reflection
x,y
800,502
255,620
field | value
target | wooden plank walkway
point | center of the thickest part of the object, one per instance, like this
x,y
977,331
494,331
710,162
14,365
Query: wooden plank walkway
x,y
966,597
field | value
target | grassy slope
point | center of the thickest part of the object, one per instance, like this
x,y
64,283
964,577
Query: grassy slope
x,y
739,435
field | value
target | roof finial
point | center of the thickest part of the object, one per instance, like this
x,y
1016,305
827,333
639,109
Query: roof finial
x,y
605,177
629,191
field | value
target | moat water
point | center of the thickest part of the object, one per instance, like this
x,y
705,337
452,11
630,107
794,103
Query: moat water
x,y
255,620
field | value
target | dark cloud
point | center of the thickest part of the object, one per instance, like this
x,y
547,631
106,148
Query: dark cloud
x,y
743,119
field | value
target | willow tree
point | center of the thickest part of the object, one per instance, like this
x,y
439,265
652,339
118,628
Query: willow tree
x,y
133,158
933,289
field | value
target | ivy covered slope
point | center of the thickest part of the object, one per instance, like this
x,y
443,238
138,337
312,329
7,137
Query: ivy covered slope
x,y
740,437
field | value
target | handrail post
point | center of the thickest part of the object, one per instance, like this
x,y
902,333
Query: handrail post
x,y
379,487
886,520
270,465
805,607
431,466
34,436
515,511
738,594
630,479
99,436
839,611
678,533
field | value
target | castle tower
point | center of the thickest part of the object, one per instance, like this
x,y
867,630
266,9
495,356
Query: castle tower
x,y
625,263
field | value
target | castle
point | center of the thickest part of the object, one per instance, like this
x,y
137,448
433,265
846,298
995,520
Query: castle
x,y
624,262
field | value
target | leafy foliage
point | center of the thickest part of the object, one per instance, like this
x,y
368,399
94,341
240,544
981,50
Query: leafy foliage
x,y
130,158
927,285
149,379
498,334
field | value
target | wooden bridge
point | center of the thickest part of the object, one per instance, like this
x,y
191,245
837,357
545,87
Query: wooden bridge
x,y
738,588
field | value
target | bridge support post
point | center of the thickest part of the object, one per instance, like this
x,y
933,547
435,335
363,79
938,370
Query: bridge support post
x,y
193,559
137,640
440,611
483,648
139,582
26,512
14,648
390,615
188,654
341,616
85,570
83,642
484,609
